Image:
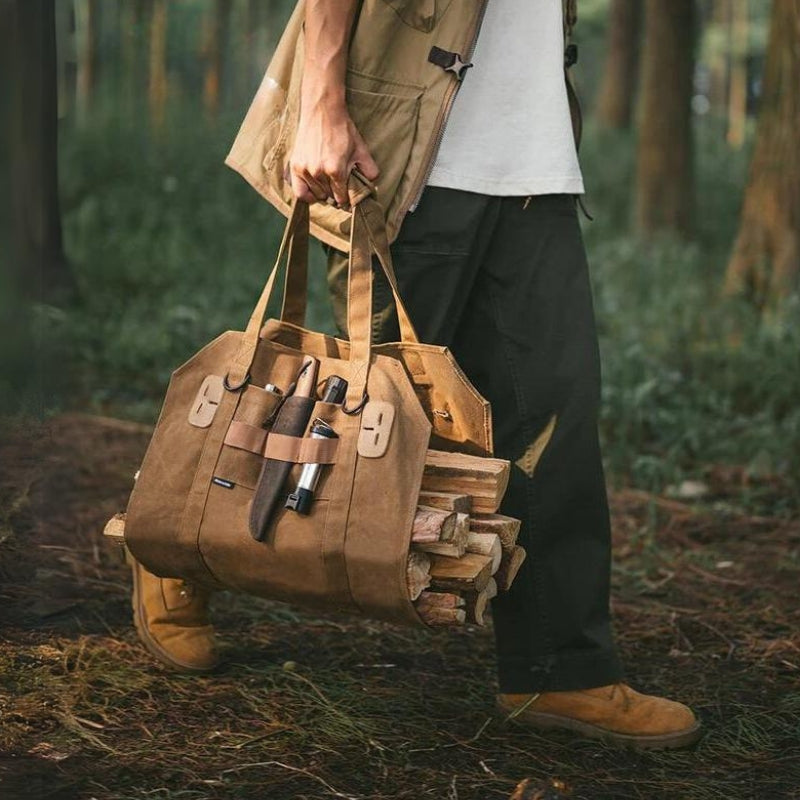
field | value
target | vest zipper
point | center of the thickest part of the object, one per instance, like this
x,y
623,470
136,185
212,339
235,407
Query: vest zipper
x,y
443,115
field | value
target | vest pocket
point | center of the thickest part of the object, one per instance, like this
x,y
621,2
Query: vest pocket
x,y
388,123
420,14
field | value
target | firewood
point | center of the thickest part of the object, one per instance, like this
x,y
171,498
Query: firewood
x,y
477,602
470,573
418,573
455,546
486,544
433,525
483,479
507,528
115,528
449,549
440,600
462,503
509,567
437,616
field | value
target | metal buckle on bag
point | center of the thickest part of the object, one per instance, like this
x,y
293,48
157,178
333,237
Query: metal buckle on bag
x,y
359,407
238,386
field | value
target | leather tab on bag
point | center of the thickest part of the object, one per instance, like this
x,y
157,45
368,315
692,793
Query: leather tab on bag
x,y
291,421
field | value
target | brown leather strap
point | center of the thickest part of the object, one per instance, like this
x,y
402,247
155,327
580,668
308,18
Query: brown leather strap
x,y
246,437
301,450
280,446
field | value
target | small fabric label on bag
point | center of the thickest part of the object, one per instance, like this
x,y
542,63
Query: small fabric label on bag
x,y
222,482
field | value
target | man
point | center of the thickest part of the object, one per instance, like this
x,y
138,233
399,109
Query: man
x,y
470,142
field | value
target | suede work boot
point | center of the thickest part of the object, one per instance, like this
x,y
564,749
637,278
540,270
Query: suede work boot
x,y
171,618
615,713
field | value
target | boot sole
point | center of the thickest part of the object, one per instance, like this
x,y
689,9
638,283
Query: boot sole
x,y
146,638
659,741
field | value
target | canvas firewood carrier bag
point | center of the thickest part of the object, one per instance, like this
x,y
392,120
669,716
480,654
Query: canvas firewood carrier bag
x,y
229,447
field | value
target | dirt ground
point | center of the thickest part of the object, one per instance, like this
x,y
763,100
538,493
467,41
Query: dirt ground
x,y
706,600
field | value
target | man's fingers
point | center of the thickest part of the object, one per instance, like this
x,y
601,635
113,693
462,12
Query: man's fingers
x,y
339,190
364,161
301,190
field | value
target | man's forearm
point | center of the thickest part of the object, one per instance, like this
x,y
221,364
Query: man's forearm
x,y
328,24
327,146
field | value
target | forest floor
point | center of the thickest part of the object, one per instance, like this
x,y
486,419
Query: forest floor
x,y
311,706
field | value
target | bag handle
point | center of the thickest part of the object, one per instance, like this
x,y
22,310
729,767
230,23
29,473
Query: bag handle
x,y
367,236
295,292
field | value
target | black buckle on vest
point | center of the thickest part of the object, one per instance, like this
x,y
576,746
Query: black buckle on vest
x,y
448,61
570,55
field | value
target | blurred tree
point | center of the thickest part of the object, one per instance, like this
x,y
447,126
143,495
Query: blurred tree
x,y
134,17
86,12
718,27
618,86
737,87
215,51
158,64
766,256
39,265
664,169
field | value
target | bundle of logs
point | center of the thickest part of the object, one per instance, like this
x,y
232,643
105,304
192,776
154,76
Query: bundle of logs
x,y
462,551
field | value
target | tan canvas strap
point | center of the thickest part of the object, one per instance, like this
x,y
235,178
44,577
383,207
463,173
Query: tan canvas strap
x,y
297,449
240,368
570,18
368,235
295,287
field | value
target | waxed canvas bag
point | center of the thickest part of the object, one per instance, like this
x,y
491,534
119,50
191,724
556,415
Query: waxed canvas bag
x,y
189,514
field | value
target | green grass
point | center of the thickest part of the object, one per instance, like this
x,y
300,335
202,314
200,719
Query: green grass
x,y
170,248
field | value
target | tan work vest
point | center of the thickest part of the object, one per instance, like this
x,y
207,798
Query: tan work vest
x,y
402,77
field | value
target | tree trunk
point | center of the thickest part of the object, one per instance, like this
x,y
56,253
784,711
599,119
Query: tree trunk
x,y
158,65
215,52
719,59
764,263
737,96
39,267
86,25
615,99
664,179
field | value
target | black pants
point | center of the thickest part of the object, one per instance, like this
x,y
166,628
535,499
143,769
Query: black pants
x,y
506,287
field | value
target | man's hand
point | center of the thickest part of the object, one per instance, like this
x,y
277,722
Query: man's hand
x,y
326,149
328,145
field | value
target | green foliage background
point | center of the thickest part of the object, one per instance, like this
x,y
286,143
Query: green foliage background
x,y
170,248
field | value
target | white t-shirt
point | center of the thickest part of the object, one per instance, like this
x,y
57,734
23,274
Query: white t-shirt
x,y
509,130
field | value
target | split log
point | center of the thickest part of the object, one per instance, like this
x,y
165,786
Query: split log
x,y
507,528
483,479
115,528
456,544
433,525
445,617
509,567
448,501
418,573
440,600
477,602
449,549
486,544
468,574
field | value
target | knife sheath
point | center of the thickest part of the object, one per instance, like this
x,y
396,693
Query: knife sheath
x,y
292,420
